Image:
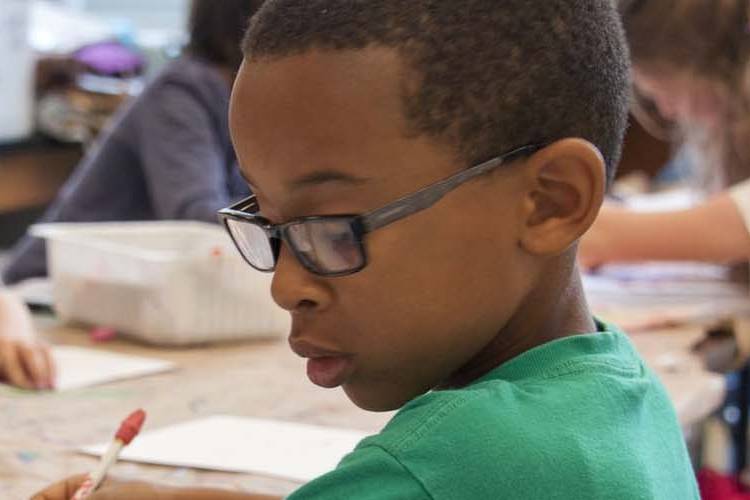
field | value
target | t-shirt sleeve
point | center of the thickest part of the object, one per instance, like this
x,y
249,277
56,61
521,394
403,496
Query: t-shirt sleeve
x,y
740,194
183,162
368,473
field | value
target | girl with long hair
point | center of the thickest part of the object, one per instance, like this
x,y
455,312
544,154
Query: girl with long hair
x,y
691,82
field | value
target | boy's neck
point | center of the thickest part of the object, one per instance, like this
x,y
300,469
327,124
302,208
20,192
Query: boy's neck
x,y
550,312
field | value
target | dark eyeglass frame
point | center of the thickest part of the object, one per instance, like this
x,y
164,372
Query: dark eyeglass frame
x,y
359,224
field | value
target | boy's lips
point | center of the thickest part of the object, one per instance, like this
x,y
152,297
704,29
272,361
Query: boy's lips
x,y
328,372
325,367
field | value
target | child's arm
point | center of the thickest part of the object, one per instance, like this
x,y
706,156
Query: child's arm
x,y
714,231
187,175
113,489
25,361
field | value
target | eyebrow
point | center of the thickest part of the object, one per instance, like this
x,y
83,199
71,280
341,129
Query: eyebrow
x,y
314,179
321,177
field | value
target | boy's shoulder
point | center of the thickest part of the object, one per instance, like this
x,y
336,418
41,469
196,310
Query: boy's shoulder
x,y
537,384
581,417
563,421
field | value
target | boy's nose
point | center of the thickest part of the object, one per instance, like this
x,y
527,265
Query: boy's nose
x,y
294,288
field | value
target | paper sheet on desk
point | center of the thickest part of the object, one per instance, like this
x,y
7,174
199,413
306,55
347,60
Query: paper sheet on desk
x,y
282,449
78,367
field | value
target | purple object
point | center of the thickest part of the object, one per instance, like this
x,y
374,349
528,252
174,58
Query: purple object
x,y
110,59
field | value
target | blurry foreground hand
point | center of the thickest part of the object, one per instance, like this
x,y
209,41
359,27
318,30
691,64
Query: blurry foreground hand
x,y
25,360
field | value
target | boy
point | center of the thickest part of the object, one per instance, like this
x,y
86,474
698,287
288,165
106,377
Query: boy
x,y
458,303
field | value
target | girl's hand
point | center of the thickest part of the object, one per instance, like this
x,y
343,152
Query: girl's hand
x,y
25,360
26,363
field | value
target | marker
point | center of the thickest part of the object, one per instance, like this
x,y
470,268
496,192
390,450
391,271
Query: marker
x,y
128,430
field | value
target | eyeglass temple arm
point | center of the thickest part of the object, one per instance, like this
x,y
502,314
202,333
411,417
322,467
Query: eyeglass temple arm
x,y
428,196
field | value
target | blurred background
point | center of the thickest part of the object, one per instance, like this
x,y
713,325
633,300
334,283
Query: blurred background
x,y
153,25
74,62
166,15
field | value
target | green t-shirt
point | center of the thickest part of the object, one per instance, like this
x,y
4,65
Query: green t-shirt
x,y
580,418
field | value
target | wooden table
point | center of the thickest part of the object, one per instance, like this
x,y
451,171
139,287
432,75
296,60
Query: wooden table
x,y
263,379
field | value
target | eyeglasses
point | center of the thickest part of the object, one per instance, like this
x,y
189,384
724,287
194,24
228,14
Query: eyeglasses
x,y
333,245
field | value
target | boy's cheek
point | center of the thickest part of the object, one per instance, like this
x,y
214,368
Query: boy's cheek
x,y
384,384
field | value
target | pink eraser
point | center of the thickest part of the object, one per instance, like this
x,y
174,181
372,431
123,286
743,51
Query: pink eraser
x,y
102,334
131,426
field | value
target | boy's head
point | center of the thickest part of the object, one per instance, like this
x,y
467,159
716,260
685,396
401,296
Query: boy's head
x,y
344,106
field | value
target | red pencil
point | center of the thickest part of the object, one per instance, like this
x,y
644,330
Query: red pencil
x,y
128,430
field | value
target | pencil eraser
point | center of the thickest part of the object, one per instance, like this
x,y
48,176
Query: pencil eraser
x,y
131,426
102,334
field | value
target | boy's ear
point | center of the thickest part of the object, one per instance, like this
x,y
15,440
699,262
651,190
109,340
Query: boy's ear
x,y
565,185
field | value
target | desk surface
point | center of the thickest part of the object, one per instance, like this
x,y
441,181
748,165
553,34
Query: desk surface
x,y
253,379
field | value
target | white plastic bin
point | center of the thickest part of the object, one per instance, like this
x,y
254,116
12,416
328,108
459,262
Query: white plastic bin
x,y
173,283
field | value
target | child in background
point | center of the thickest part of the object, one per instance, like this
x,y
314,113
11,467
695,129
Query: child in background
x,y
691,59
168,154
25,360
465,139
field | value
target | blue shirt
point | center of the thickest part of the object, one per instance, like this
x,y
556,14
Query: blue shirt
x,y
166,155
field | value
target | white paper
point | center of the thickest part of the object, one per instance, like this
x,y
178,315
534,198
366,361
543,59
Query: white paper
x,y
236,444
78,367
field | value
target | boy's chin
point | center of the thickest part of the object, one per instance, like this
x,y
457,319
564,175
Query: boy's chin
x,y
375,398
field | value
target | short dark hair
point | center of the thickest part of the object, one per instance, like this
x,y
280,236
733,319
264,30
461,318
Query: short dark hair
x,y
216,28
491,74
